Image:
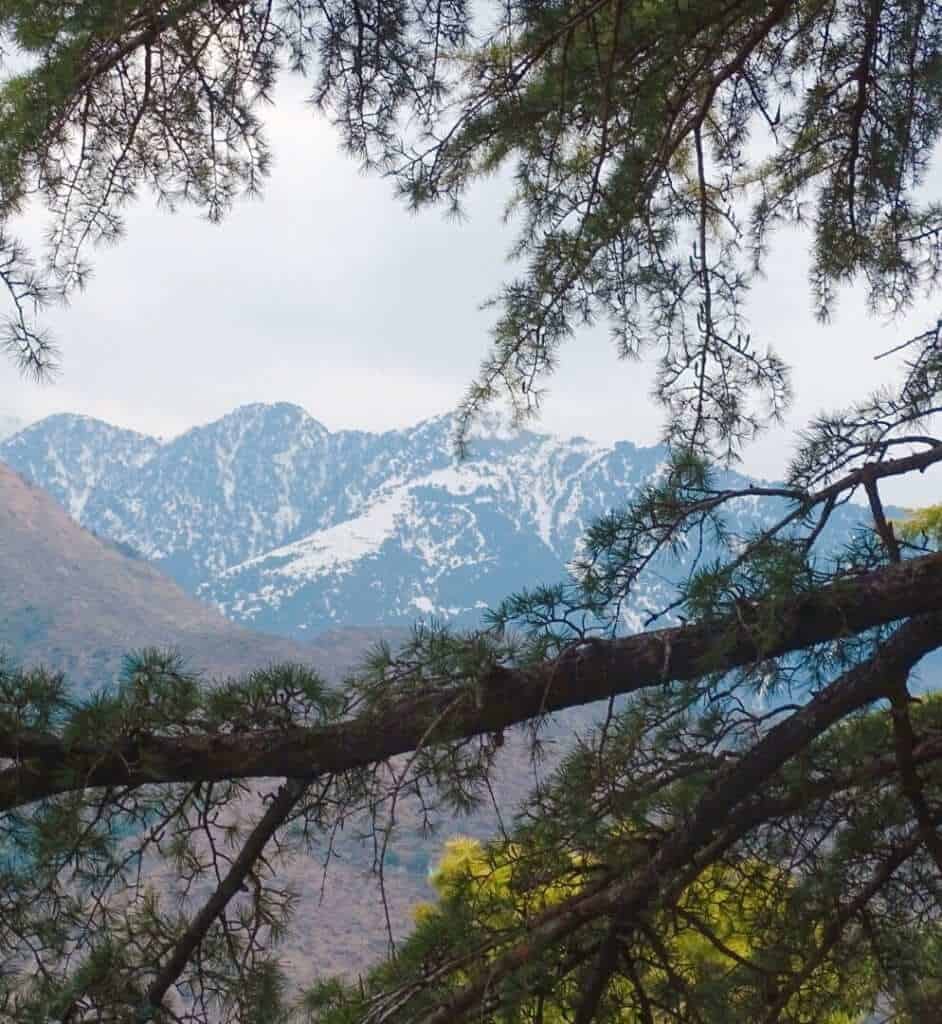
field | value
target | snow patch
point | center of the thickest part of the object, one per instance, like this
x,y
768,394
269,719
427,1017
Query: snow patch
x,y
336,547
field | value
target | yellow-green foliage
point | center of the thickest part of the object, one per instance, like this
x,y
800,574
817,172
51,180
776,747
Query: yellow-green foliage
x,y
706,940
924,524
465,858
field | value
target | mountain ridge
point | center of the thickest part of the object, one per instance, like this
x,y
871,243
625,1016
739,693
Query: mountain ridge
x,y
291,528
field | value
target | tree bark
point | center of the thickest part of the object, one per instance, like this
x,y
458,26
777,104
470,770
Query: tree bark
x,y
45,765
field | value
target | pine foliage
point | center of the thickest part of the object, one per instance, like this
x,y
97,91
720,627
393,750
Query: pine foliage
x,y
750,830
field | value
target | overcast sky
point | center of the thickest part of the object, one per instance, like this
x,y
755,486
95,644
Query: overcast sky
x,y
328,293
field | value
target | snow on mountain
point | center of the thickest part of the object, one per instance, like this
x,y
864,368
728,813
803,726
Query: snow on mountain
x,y
441,544
72,457
292,528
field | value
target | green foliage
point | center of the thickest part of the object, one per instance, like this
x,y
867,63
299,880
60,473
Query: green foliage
x,y
747,933
31,700
656,147
75,869
647,198
923,525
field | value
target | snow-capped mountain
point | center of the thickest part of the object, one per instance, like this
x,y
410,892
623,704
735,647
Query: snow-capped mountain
x,y
75,457
292,528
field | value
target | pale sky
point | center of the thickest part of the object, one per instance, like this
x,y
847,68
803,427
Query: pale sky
x,y
329,294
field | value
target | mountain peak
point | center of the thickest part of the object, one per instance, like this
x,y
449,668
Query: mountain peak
x,y
271,415
494,424
75,421
69,454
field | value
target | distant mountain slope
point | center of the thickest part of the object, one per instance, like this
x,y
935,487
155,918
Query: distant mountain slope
x,y
294,529
76,603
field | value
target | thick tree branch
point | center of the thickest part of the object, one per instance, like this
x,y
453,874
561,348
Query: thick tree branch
x,y
46,765
599,975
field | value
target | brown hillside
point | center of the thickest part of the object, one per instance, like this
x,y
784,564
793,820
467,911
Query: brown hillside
x,y
75,603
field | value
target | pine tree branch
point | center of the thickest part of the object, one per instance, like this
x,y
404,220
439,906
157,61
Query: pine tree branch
x,y
679,858
156,25
880,767
46,765
911,785
277,812
884,527
599,975
835,928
